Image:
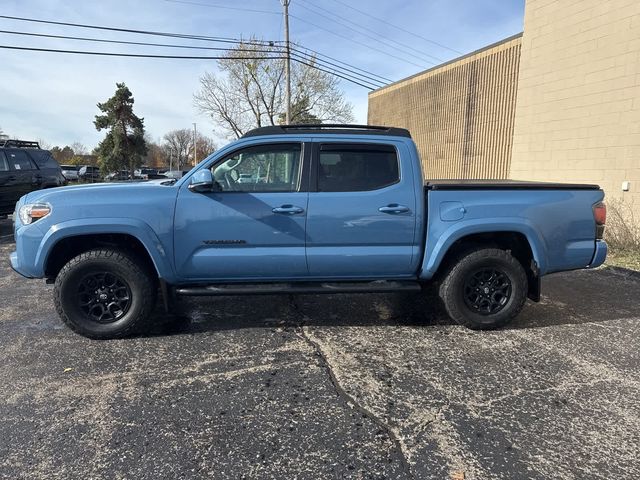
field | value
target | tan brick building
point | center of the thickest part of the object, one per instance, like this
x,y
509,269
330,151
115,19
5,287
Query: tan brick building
x,y
578,107
560,103
460,114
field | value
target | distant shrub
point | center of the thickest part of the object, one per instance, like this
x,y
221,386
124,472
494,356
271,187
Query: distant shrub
x,y
623,226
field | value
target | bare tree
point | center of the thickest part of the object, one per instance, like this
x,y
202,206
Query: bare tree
x,y
178,145
249,93
79,149
206,146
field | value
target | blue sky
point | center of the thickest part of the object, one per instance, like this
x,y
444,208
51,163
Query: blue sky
x,y
52,97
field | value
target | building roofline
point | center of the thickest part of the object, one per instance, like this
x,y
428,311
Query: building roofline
x,y
449,62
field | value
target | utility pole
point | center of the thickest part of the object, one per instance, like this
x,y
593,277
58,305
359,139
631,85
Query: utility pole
x,y
287,64
195,146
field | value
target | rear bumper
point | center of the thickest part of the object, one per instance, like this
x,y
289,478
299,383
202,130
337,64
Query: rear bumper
x,y
600,254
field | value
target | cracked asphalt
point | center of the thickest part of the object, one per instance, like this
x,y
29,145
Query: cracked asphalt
x,y
360,386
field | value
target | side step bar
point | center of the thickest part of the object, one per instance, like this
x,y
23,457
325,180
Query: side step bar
x,y
298,287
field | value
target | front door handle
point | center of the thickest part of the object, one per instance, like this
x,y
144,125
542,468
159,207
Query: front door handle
x,y
288,209
394,208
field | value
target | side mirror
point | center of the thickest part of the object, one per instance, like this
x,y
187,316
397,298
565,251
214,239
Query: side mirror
x,y
202,181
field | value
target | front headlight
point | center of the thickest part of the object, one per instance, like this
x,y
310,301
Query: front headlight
x,y
31,212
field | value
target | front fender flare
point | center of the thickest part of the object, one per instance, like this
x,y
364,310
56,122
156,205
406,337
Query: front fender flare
x,y
95,226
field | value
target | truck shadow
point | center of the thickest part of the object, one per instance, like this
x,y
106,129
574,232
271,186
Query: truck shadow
x,y
571,298
6,231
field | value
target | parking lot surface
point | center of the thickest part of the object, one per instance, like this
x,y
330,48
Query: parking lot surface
x,y
358,386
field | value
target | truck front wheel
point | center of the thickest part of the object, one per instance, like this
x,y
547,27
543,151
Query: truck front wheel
x,y
104,294
484,289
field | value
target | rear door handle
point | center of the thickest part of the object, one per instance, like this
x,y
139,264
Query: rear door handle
x,y
288,209
394,208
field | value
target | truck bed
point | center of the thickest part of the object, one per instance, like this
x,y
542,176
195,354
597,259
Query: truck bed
x,y
504,185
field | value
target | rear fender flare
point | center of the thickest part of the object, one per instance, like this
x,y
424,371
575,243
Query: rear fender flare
x,y
435,252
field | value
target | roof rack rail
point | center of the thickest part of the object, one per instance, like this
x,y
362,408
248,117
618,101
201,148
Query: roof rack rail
x,y
20,144
329,128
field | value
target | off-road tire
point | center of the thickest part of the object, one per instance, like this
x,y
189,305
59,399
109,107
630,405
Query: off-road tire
x,y
141,282
452,288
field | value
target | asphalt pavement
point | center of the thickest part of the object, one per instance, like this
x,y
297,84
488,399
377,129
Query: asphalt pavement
x,y
350,386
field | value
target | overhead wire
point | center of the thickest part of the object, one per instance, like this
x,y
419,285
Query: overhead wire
x,y
386,22
183,57
350,68
377,38
139,55
211,5
300,19
306,57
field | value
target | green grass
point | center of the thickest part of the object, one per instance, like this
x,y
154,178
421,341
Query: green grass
x,y
625,258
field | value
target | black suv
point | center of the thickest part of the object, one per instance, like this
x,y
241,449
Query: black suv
x,y
25,167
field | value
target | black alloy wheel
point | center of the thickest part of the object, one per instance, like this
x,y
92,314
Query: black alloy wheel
x,y
104,297
487,291
484,288
106,293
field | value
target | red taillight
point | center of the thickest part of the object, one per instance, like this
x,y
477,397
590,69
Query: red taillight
x,y
600,213
600,216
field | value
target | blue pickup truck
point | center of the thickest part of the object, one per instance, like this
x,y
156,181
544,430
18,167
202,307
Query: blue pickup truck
x,y
304,209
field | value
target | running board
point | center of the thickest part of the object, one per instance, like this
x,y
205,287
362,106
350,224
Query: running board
x,y
298,287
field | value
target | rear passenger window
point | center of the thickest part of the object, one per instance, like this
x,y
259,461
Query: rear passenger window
x,y
356,167
4,165
43,158
19,160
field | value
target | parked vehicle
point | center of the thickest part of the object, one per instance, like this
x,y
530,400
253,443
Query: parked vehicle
x,y
70,172
116,176
88,173
177,174
336,209
25,167
146,173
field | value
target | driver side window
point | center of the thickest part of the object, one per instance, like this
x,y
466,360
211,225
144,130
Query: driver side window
x,y
273,167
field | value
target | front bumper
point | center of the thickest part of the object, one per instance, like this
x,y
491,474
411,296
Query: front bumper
x,y
15,265
600,255
25,258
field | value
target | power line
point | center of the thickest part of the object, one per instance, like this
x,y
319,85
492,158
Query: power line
x,y
317,54
225,7
300,19
332,73
144,32
341,21
305,21
138,55
127,42
181,57
234,41
344,71
370,79
398,28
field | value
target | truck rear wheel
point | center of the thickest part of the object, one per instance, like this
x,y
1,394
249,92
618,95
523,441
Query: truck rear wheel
x,y
104,294
484,289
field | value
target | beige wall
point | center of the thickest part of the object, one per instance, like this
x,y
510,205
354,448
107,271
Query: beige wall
x,y
578,106
460,114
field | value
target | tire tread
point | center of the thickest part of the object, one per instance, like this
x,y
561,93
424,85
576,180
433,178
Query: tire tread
x,y
448,294
123,259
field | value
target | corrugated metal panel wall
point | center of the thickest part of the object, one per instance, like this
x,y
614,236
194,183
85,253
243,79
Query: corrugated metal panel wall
x,y
460,114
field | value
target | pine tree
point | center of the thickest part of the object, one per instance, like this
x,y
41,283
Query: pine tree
x,y
123,146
